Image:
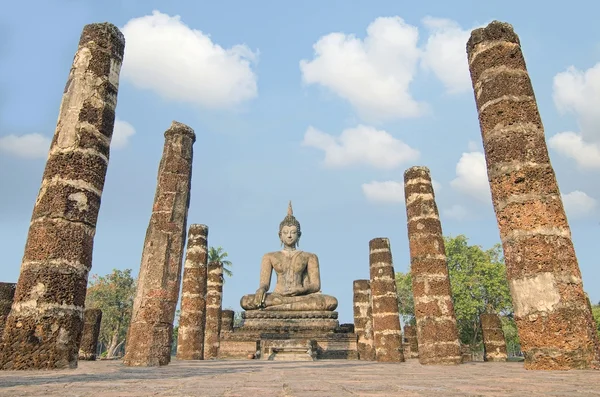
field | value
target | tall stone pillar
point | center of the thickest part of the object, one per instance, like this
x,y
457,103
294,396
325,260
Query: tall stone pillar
x,y
190,336
91,330
410,334
214,296
363,320
44,327
387,335
227,317
494,344
7,294
555,325
437,332
150,333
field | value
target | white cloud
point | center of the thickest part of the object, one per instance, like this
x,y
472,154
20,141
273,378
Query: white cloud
x,y
360,145
457,212
571,144
121,134
180,63
578,204
474,146
445,54
384,192
373,74
578,92
471,177
29,146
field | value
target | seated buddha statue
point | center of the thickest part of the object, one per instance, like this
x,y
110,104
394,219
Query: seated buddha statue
x,y
298,286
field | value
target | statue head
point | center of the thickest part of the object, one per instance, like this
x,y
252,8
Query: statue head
x,y
289,229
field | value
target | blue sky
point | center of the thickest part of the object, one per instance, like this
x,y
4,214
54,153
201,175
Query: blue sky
x,y
322,103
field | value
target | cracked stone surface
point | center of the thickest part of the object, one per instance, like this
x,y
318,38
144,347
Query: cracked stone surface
x,y
297,379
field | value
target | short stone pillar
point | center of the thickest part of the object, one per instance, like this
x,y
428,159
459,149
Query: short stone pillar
x,y
363,320
437,331
214,296
410,334
494,344
387,335
151,330
43,330
190,335
7,294
227,317
92,319
555,325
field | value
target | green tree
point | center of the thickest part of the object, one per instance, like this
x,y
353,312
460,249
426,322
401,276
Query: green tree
x,y
596,314
218,255
175,334
113,294
478,282
406,304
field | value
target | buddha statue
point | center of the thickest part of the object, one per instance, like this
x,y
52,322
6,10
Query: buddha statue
x,y
298,286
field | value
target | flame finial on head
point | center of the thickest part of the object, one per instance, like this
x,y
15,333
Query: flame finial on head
x,y
290,210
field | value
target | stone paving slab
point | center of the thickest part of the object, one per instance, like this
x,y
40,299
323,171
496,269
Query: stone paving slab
x,y
325,378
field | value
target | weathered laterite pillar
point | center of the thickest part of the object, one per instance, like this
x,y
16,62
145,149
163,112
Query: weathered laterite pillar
x,y
387,335
227,317
363,320
44,327
410,334
437,332
7,294
190,336
214,296
150,332
494,344
91,331
555,325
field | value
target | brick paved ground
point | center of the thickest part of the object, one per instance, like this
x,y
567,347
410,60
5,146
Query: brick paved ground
x,y
286,379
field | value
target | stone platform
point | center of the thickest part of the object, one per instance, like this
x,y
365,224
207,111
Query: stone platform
x,y
285,322
296,349
263,329
327,378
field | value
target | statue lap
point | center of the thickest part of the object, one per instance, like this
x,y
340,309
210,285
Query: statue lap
x,y
311,302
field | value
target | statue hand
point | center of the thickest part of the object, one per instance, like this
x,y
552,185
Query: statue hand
x,y
259,296
297,291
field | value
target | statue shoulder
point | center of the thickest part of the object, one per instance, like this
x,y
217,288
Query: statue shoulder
x,y
310,255
270,255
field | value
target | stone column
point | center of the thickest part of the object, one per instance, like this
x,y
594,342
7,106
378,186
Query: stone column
x,y
227,317
410,334
214,296
363,320
44,327
437,332
494,344
7,294
190,336
150,332
555,326
387,335
92,319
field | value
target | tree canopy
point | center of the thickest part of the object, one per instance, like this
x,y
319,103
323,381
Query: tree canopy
x,y
113,294
596,314
478,283
219,255
406,304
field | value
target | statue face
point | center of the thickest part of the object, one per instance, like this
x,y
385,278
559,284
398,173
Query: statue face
x,y
289,235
